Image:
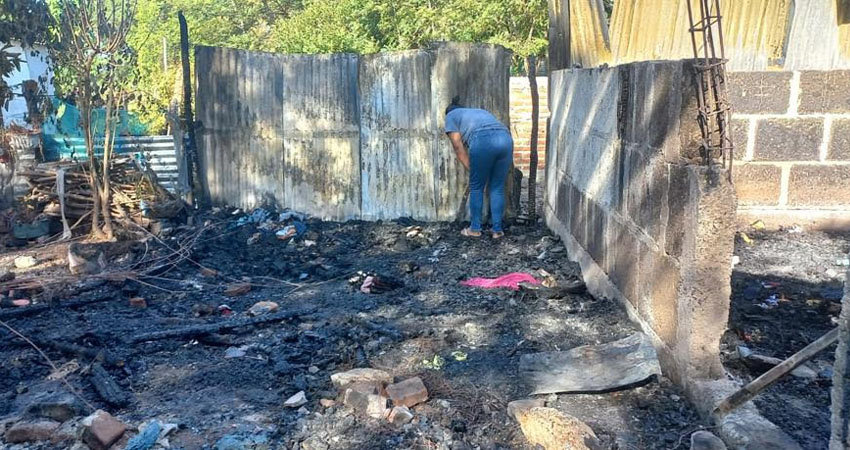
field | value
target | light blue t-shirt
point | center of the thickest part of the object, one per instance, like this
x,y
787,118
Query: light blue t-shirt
x,y
467,121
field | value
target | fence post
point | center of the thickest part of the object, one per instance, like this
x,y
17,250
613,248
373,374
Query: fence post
x,y
189,148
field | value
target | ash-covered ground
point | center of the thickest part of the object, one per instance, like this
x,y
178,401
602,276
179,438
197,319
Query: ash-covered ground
x,y
229,387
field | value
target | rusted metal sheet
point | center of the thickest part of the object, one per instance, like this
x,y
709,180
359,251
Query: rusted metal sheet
x,y
759,34
239,105
479,74
339,137
819,37
322,135
398,136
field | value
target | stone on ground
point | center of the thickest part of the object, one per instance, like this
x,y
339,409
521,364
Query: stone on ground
x,y
704,440
408,393
373,405
555,430
341,380
261,308
400,415
101,430
296,400
31,431
519,406
58,405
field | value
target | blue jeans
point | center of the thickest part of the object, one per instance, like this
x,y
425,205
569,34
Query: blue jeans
x,y
490,157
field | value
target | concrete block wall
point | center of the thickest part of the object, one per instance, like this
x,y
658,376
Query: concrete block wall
x,y
792,142
520,107
649,224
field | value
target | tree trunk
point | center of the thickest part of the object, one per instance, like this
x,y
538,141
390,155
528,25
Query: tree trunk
x,y
531,69
106,189
840,428
85,115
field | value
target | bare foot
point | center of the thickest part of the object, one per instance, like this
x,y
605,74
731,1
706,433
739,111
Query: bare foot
x,y
469,233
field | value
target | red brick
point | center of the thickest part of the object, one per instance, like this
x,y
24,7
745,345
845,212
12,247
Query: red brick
x,y
408,393
102,430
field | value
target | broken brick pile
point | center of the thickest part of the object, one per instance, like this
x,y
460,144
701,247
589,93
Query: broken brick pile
x,y
373,393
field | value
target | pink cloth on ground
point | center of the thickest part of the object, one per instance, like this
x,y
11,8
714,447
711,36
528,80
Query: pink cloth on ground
x,y
510,281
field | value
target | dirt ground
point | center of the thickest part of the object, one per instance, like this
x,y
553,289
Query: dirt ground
x,y
804,273
464,342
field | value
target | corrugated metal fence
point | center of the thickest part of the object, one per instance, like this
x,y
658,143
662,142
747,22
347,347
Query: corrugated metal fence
x,y
759,34
158,152
341,136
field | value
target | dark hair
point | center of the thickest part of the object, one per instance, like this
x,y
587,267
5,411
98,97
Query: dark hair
x,y
455,104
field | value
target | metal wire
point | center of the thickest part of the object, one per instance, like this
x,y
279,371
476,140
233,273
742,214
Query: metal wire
x,y
713,106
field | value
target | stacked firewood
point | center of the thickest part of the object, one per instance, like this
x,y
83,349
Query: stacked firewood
x,y
136,194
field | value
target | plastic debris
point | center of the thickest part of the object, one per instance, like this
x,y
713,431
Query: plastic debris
x,y
758,225
25,262
288,214
435,363
371,283
146,438
459,355
746,238
510,281
236,352
258,215
286,232
842,262
769,303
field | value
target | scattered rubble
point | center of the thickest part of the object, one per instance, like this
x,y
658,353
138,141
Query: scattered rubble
x,y
365,375
224,366
791,266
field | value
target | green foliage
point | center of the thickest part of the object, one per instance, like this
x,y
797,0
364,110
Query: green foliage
x,y
319,26
327,27
9,62
27,21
